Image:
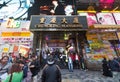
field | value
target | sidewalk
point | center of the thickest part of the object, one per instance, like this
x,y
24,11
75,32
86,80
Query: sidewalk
x,y
86,76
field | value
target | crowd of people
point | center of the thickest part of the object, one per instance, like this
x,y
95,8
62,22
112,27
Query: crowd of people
x,y
66,60
21,69
111,67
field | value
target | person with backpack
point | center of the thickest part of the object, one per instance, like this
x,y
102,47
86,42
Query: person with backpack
x,y
51,72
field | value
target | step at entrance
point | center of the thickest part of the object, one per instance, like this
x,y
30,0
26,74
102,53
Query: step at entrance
x,y
70,80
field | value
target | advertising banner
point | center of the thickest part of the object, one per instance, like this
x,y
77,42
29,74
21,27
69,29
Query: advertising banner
x,y
24,51
91,18
15,33
105,19
117,17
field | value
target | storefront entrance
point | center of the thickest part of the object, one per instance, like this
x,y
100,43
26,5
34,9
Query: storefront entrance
x,y
59,35
60,43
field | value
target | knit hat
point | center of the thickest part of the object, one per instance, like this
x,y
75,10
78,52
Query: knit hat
x,y
50,60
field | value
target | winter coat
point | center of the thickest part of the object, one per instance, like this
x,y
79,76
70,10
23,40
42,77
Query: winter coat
x,y
51,73
36,69
106,70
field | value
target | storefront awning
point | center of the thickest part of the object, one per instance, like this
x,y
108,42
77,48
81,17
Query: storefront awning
x,y
106,26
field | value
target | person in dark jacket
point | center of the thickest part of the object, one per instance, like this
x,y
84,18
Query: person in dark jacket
x,y
34,67
51,71
106,70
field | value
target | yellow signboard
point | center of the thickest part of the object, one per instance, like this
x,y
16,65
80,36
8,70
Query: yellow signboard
x,y
15,34
5,49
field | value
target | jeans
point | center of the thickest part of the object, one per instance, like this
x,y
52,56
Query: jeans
x,y
70,66
34,79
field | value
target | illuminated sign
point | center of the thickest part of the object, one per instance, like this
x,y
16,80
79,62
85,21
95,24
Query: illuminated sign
x,y
58,22
11,23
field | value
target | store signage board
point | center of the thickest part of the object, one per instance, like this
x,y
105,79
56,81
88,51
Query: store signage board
x,y
58,23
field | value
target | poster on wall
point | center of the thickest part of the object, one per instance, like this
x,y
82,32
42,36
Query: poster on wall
x,y
91,18
24,51
5,48
117,17
105,19
15,49
15,36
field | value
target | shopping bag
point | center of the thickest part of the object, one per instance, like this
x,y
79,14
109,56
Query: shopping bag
x,y
4,76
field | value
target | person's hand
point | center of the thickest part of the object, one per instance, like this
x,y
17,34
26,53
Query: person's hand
x,y
32,66
52,11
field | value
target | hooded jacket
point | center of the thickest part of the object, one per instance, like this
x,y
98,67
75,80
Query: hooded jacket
x,y
51,73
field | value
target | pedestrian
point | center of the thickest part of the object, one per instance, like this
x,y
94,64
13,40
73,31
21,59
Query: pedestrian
x,y
70,63
77,60
51,72
34,67
26,71
114,66
15,74
4,65
106,69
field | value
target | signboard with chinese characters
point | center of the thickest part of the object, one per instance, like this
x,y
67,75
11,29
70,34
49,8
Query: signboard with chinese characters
x,y
58,23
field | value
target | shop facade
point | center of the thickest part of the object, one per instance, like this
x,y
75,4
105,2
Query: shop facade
x,y
102,37
15,37
58,32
